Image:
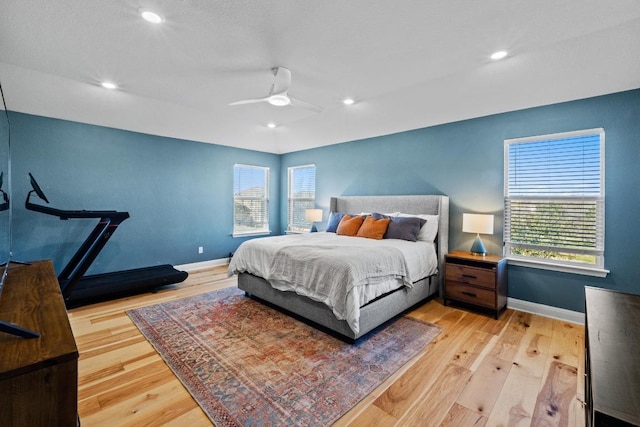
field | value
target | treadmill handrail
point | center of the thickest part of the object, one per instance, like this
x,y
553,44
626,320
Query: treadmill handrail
x,y
68,214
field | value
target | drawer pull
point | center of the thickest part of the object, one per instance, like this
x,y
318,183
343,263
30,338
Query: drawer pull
x,y
471,294
470,276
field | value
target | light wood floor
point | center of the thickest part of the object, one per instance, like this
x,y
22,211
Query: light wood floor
x,y
479,371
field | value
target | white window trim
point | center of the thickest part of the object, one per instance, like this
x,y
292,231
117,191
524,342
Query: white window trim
x,y
560,266
250,234
563,268
290,229
260,232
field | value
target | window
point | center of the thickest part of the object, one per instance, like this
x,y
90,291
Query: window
x,y
250,200
554,199
301,196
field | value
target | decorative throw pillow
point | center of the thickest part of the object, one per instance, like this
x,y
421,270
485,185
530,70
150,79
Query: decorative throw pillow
x,y
334,220
429,230
373,228
349,225
377,215
404,228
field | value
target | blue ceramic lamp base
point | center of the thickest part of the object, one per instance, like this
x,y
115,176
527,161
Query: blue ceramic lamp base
x,y
478,247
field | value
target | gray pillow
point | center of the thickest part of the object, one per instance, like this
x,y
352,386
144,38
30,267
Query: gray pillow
x,y
405,228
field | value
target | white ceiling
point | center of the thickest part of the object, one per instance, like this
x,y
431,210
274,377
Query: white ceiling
x,y
407,63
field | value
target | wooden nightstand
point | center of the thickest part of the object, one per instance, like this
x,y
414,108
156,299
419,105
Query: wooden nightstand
x,y
476,280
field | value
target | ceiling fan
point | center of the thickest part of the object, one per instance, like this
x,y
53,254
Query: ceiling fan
x,y
278,94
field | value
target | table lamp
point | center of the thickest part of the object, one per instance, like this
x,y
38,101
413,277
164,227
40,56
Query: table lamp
x,y
479,224
313,215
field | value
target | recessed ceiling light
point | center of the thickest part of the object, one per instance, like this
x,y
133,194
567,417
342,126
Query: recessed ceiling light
x,y
348,101
498,55
151,16
108,85
271,125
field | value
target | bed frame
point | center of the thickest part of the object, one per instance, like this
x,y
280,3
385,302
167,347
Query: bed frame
x,y
381,309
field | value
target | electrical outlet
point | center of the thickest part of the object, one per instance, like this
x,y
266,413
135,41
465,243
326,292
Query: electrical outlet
x,y
200,249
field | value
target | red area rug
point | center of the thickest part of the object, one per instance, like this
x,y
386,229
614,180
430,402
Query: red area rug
x,y
248,364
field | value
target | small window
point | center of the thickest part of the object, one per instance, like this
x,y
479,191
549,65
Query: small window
x,y
301,196
250,200
554,199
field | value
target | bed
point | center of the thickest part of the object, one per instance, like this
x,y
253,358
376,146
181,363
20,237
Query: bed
x,y
258,262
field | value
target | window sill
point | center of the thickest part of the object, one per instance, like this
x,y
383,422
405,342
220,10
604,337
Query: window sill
x,y
586,271
297,232
252,234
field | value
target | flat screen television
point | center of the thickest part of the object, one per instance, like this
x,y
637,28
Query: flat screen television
x,y
5,195
5,215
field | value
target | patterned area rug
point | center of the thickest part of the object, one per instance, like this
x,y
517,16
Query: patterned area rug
x,y
248,364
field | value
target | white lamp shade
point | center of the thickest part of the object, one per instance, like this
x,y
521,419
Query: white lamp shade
x,y
313,215
477,223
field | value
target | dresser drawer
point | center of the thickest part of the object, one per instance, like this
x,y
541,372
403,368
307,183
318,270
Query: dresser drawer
x,y
477,296
485,278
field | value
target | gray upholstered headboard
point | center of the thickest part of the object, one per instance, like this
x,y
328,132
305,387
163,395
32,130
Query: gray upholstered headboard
x,y
413,204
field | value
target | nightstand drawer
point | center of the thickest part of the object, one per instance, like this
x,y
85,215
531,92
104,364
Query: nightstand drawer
x,y
477,296
485,278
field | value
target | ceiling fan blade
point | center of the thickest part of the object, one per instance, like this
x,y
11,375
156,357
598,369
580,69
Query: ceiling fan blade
x,y
278,93
304,104
249,101
281,82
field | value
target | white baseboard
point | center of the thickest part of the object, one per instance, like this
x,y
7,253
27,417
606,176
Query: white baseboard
x,y
202,264
546,310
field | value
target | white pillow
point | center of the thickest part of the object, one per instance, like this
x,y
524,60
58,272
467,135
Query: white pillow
x,y
392,214
429,230
387,214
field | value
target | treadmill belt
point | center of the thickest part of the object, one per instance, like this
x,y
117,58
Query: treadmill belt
x,y
107,286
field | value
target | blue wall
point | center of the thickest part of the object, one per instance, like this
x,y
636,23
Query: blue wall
x,y
464,160
179,193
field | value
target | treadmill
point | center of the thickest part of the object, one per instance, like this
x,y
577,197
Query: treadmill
x,y
78,289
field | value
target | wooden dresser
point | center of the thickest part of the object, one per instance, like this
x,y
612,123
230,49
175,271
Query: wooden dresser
x,y
38,376
612,358
476,280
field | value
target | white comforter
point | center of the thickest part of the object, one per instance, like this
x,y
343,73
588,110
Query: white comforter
x,y
342,272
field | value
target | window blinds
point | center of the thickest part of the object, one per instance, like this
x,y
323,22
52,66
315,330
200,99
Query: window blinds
x,y
302,196
554,197
251,200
